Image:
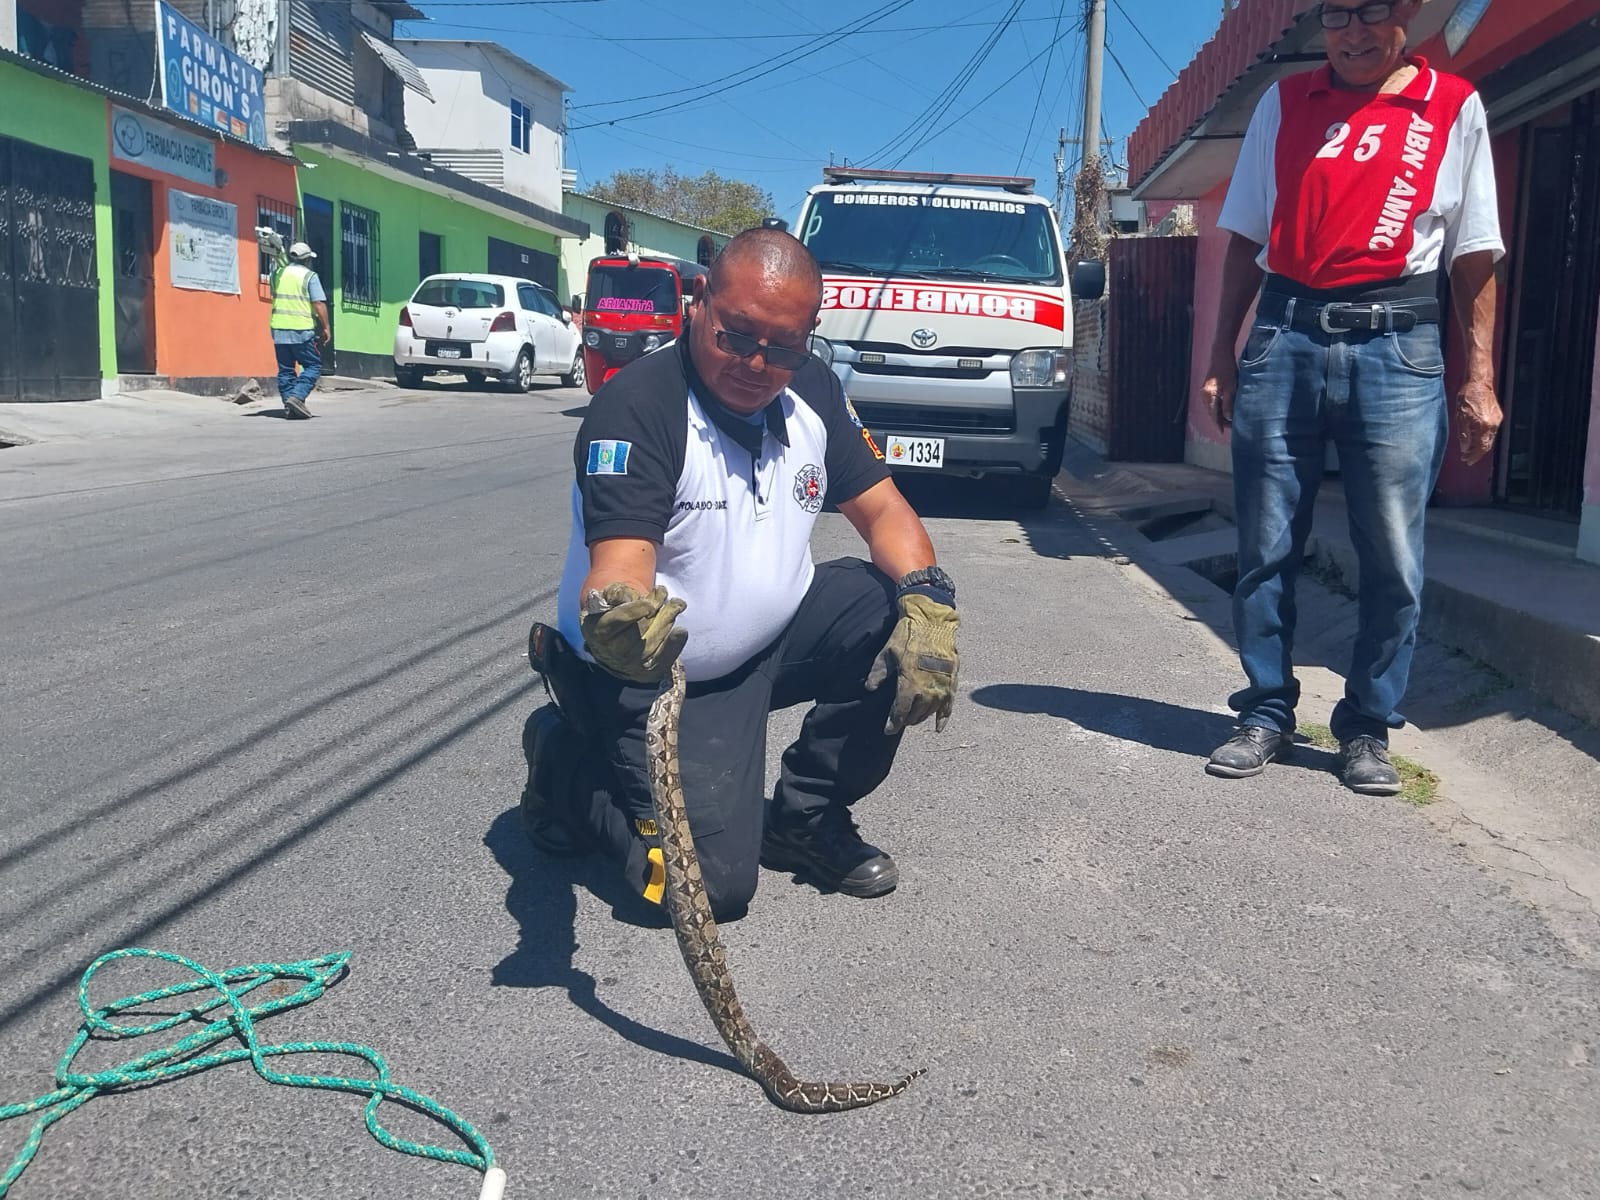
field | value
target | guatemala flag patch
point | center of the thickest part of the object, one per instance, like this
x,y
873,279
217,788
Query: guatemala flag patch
x,y
609,458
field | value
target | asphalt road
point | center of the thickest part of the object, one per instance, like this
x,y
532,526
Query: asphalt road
x,y
263,689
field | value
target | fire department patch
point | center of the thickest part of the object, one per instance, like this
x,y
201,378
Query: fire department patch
x,y
809,488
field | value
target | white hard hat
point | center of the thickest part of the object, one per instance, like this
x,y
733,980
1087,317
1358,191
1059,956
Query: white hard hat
x,y
301,250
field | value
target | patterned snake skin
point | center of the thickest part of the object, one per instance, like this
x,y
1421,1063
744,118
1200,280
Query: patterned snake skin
x,y
701,944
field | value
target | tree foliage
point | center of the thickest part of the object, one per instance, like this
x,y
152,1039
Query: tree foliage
x,y
709,201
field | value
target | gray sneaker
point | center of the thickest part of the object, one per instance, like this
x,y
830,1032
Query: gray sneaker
x,y
1247,752
1365,767
295,408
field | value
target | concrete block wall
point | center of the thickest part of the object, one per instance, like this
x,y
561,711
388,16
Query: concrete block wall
x,y
1091,382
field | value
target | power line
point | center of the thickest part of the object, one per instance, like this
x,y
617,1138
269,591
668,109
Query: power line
x,y
947,95
1117,4
1039,95
717,36
1124,73
819,42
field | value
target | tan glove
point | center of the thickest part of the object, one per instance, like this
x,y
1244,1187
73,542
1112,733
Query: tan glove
x,y
921,655
630,635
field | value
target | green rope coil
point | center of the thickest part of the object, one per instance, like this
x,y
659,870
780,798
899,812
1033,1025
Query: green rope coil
x,y
76,1088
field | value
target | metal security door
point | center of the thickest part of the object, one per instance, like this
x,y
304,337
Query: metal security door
x,y
134,283
49,282
1557,297
319,236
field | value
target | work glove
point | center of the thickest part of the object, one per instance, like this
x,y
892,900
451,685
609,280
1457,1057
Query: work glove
x,y
921,657
630,635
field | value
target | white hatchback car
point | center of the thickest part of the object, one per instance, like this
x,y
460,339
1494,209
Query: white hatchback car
x,y
483,325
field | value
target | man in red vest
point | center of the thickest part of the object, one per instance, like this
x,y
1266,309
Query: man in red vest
x,y
1358,186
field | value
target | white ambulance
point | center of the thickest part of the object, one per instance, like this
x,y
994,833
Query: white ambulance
x,y
947,315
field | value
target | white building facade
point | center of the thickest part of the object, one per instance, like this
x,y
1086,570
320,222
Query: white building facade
x,y
494,117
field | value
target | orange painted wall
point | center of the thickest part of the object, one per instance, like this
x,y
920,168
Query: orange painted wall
x,y
211,334
1510,29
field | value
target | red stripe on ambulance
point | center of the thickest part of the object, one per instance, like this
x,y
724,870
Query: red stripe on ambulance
x,y
954,301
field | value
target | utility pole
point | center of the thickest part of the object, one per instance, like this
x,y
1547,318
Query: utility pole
x,y
1088,240
1061,174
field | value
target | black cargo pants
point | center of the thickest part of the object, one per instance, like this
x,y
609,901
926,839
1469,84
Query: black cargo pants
x,y
841,755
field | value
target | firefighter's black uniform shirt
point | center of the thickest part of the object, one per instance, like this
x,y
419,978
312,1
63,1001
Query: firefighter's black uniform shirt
x,y
730,503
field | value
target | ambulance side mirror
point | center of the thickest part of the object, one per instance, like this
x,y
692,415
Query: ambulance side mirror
x,y
1088,280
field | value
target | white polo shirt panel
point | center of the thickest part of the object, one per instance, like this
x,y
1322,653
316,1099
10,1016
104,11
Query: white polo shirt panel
x,y
734,539
1343,188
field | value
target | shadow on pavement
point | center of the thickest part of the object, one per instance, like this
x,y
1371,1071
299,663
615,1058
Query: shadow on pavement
x,y
543,897
1130,718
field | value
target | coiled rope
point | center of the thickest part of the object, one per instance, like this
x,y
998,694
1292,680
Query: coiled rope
x,y
76,1088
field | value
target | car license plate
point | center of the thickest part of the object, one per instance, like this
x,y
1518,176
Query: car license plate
x,y
449,352
914,451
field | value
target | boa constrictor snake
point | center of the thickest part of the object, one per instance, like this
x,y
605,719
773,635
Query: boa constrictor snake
x,y
700,942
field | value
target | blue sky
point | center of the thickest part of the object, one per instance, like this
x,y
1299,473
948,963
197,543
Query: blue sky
x,y
979,85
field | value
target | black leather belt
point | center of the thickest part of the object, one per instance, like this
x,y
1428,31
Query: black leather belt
x,y
1308,316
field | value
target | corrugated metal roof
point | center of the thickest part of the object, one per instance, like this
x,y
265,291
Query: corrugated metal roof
x,y
398,63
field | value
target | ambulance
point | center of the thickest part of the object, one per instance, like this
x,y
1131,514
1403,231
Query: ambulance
x,y
947,315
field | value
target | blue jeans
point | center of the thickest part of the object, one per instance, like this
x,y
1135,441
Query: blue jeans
x,y
1380,397
308,357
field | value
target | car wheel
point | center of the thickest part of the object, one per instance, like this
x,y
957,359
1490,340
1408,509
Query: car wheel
x,y
575,377
521,377
408,377
474,378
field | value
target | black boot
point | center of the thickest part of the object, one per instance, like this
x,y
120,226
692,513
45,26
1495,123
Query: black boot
x,y
551,746
831,853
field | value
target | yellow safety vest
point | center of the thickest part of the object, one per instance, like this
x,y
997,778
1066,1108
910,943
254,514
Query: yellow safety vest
x,y
291,299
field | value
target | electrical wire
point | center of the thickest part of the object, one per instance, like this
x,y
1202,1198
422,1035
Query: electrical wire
x,y
1039,95
1117,4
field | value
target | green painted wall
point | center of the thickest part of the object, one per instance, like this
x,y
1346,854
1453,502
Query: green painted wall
x,y
67,118
403,212
650,235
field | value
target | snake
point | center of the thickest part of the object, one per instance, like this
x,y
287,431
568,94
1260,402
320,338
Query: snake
x,y
701,944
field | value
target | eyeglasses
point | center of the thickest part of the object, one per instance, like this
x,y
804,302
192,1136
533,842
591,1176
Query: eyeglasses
x,y
742,345
1371,14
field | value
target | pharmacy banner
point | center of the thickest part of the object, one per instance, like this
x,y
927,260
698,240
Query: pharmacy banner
x,y
205,81
204,242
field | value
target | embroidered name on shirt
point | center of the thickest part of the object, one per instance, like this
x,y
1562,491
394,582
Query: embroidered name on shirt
x,y
1403,192
609,458
701,506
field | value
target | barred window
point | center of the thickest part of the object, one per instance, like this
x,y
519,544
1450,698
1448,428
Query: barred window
x,y
279,215
358,234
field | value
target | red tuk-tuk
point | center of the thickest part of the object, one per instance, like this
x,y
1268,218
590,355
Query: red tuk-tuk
x,y
633,304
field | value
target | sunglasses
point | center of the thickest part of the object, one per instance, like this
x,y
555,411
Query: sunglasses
x,y
742,345
1371,14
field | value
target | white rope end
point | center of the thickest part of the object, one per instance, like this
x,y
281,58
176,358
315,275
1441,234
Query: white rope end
x,y
494,1184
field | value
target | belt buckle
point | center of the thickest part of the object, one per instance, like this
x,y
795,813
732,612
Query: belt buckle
x,y
1373,314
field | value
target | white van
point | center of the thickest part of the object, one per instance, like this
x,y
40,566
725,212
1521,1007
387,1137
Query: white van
x,y
946,314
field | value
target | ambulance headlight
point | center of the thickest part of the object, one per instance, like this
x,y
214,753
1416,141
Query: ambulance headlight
x,y
591,339
1041,368
652,341
823,349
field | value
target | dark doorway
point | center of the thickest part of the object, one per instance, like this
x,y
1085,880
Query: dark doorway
x,y
430,255
49,278
1149,314
319,236
1550,352
524,262
134,277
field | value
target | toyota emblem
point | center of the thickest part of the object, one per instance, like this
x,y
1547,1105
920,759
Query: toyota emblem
x,y
922,339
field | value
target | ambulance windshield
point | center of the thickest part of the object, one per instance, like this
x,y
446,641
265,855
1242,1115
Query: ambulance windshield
x,y
931,236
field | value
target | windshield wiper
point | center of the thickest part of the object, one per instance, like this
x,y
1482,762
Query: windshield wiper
x,y
839,264
969,273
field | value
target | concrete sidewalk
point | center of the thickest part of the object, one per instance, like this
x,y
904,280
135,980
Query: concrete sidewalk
x,y
1502,588
147,412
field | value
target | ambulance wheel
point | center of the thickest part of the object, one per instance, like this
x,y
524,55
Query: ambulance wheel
x,y
1029,491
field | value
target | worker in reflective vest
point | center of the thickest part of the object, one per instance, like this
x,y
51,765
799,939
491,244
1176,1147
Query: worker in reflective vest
x,y
300,326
